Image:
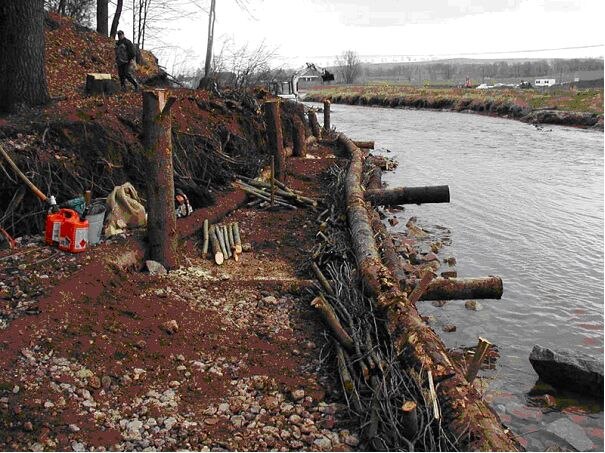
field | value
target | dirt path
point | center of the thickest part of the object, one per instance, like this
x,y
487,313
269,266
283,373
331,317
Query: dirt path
x,y
206,357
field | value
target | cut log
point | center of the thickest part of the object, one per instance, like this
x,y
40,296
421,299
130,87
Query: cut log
x,y
408,195
409,419
414,342
157,143
364,144
221,240
315,129
275,137
237,238
464,288
219,258
206,238
327,124
331,319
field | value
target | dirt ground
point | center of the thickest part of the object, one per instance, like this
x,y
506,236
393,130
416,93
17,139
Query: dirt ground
x,y
206,357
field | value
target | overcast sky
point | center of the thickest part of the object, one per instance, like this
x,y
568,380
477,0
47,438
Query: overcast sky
x,y
392,30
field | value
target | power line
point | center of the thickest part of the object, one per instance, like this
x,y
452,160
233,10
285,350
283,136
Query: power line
x,y
498,52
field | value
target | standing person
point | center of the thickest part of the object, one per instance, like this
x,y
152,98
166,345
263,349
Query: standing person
x,y
125,54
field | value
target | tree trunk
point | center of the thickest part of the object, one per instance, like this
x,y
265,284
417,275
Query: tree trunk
x,y
161,219
116,19
315,129
102,16
211,20
299,144
275,137
22,75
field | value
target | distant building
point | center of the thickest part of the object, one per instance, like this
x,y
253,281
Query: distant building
x,y
545,82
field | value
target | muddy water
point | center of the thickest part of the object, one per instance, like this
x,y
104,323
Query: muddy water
x,y
527,205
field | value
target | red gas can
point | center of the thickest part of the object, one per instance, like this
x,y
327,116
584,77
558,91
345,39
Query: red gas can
x,y
54,220
74,232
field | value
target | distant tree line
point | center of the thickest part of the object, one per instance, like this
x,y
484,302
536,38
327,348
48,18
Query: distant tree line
x,y
457,71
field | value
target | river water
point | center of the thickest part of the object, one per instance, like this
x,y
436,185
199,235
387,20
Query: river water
x,y
527,205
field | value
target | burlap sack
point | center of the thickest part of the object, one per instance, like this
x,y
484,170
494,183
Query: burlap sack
x,y
125,210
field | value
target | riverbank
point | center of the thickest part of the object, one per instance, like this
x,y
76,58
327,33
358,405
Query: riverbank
x,y
581,108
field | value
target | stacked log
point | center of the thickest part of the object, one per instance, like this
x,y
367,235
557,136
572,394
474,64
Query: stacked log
x,y
465,414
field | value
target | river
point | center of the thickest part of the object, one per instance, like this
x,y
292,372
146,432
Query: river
x,y
527,205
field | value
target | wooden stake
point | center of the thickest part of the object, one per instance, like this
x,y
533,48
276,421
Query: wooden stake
x,y
161,216
314,124
227,244
237,238
272,180
433,396
206,238
480,352
331,319
322,279
327,125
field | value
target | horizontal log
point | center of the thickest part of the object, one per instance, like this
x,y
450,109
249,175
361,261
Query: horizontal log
x,y
464,288
408,195
364,144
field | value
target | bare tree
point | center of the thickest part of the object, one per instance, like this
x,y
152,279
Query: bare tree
x,y
349,66
116,19
22,75
102,16
210,43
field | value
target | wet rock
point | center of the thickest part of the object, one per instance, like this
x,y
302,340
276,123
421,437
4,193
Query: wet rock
x,y
393,221
155,268
571,432
563,368
542,388
472,305
449,274
438,303
449,328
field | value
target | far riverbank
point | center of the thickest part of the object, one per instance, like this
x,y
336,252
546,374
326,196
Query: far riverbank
x,y
567,107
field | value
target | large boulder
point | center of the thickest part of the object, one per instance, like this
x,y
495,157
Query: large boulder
x,y
567,369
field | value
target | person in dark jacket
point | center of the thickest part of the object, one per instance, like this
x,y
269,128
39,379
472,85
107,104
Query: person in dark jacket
x,y
125,54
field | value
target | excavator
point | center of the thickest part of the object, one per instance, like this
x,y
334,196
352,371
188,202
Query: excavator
x,y
289,89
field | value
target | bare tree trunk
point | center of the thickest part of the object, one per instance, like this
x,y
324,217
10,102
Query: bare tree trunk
x,y
211,19
275,137
102,16
22,75
161,221
116,19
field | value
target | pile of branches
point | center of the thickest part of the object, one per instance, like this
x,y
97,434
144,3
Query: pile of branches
x,y
66,158
395,408
275,192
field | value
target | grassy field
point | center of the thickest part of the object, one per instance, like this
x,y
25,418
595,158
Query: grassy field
x,y
589,100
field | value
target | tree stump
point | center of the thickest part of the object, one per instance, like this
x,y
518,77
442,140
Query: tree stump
x,y
327,125
157,142
100,83
299,144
